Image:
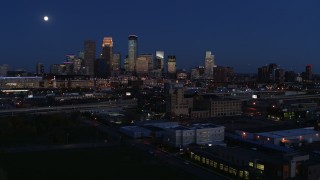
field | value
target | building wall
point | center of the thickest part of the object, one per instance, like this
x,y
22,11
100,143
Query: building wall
x,y
20,82
89,56
209,135
225,107
132,52
182,137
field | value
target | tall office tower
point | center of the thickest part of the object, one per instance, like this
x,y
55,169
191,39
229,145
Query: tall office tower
x,y
81,55
74,63
89,56
209,64
159,61
149,58
107,53
171,66
77,66
115,65
142,66
39,69
126,64
195,74
309,72
132,52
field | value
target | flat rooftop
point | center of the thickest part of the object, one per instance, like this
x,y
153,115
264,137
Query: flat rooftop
x,y
289,133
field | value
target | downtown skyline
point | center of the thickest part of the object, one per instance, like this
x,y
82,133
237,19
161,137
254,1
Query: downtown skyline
x,y
243,35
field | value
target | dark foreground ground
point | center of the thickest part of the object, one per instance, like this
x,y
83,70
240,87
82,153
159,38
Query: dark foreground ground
x,y
100,163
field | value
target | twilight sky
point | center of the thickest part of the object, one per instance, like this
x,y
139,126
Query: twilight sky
x,y
242,34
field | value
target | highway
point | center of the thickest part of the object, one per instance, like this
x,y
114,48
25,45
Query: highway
x,y
107,104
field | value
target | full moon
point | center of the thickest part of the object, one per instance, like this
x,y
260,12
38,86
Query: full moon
x,y
46,18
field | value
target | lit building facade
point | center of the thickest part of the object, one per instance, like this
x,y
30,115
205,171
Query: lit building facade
x,y
225,107
20,82
142,65
159,61
176,104
202,134
209,64
132,52
116,63
149,58
107,53
171,66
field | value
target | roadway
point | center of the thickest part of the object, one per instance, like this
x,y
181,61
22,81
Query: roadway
x,y
99,105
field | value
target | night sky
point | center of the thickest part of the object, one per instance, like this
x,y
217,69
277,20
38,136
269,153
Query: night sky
x,y
242,34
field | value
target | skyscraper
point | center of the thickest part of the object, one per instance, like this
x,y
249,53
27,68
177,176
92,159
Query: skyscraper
x,y
171,66
149,58
107,53
115,65
132,52
142,66
209,64
40,69
89,56
159,61
309,72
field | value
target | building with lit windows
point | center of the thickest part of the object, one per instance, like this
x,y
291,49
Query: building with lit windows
x,y
142,66
171,64
132,52
201,134
149,58
176,104
241,163
20,82
209,64
116,64
107,54
225,107
158,67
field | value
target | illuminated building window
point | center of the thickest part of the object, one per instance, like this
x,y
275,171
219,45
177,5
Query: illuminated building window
x,y
232,171
211,163
221,166
246,175
260,167
241,174
203,160
226,168
251,164
215,164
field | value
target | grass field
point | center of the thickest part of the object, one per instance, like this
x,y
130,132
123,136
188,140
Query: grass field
x,y
92,164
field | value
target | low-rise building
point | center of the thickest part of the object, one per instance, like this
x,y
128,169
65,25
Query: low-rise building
x,y
202,134
241,163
